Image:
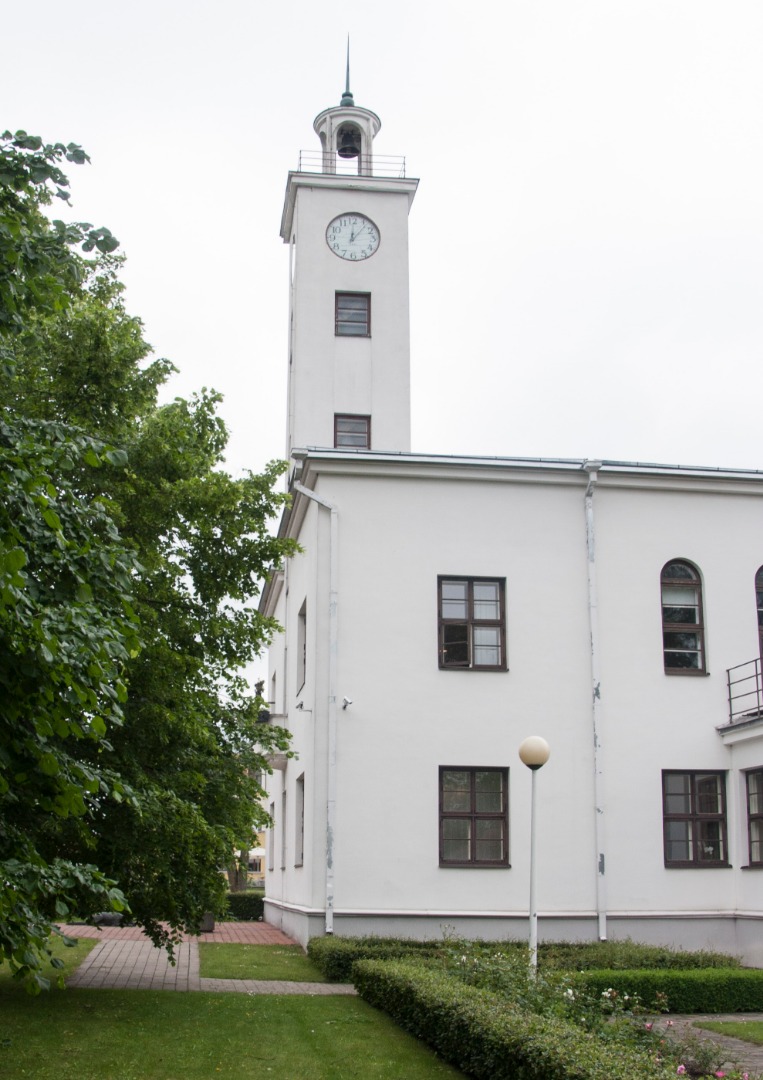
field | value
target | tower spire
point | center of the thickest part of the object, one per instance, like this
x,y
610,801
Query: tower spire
x,y
347,98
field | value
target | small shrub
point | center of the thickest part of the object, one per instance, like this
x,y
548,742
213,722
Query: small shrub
x,y
246,906
334,956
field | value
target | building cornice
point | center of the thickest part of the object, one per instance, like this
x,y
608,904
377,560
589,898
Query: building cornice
x,y
339,182
557,471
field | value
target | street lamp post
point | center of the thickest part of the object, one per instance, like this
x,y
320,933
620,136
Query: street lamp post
x,y
534,753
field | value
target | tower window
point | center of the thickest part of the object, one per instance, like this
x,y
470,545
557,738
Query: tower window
x,y
683,632
353,315
352,431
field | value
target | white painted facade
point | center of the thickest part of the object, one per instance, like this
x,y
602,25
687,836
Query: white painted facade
x,y
580,546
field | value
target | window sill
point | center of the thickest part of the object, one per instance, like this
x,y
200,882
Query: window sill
x,y
752,866
698,866
458,667
474,866
692,674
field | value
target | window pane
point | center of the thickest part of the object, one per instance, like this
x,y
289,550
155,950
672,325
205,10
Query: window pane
x,y
455,645
710,842
756,841
455,599
455,780
680,615
488,780
489,792
709,800
456,839
456,801
678,841
487,600
677,793
487,646
679,570
754,792
489,845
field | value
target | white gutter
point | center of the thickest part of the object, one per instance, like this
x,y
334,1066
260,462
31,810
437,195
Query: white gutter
x,y
592,468
332,711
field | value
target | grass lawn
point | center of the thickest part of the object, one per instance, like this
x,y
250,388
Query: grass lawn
x,y
231,961
749,1030
163,1035
72,956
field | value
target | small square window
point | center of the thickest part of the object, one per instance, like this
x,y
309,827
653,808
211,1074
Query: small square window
x,y
352,431
352,315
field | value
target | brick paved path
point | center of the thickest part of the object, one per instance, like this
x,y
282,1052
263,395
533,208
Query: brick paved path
x,y
126,959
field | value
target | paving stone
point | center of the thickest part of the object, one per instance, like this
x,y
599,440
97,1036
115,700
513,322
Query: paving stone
x,y
126,958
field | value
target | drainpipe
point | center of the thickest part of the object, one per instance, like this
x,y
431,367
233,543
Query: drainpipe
x,y
332,712
592,468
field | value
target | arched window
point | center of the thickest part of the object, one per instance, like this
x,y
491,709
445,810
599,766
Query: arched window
x,y
683,637
759,601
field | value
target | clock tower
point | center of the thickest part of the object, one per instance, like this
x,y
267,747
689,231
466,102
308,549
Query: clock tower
x,y
345,220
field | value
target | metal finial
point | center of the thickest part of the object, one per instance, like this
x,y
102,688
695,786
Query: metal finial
x,y
347,98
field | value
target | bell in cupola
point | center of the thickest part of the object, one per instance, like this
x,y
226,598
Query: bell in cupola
x,y
348,142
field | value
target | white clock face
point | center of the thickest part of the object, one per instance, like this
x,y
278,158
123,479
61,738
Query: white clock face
x,y
353,237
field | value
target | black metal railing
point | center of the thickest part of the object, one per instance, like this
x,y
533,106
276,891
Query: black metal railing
x,y
315,161
745,691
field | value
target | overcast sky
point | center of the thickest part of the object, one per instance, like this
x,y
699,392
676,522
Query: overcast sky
x,y
586,240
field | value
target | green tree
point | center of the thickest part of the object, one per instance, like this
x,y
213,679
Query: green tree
x,y
184,761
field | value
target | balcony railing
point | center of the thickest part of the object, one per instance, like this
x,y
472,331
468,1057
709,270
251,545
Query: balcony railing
x,y
745,691
315,161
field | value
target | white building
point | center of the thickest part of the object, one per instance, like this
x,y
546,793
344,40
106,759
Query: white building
x,y
444,608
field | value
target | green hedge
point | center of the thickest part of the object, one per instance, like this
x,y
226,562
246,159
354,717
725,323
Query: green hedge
x,y
246,906
711,990
477,1031
334,956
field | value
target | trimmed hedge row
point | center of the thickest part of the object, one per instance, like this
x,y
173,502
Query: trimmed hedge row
x,y
246,906
711,990
334,956
479,1033
628,955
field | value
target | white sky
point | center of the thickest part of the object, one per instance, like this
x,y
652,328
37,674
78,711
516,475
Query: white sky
x,y
586,241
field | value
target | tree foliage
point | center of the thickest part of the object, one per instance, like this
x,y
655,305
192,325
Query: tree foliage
x,y
130,746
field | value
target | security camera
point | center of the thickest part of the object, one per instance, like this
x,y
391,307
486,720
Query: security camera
x,y
346,701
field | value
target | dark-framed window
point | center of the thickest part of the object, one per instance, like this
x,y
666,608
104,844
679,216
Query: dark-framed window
x,y
352,431
474,816
759,602
694,818
683,628
472,623
352,314
755,815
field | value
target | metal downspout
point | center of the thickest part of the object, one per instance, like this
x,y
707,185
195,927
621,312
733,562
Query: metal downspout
x,y
332,709
592,468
